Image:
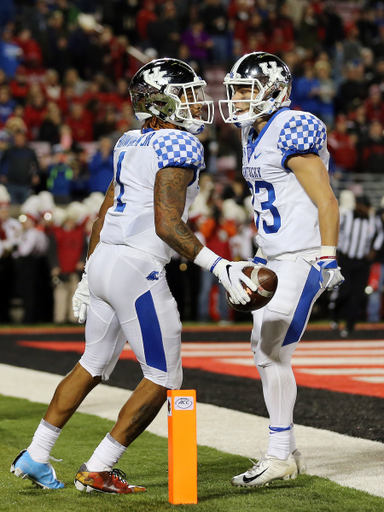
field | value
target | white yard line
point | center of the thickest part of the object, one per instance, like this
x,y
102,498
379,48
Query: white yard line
x,y
351,462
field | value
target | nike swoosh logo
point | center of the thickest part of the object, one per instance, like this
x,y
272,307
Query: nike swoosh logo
x,y
248,480
228,267
257,156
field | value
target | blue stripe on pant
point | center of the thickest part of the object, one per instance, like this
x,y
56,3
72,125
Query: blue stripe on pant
x,y
311,288
151,333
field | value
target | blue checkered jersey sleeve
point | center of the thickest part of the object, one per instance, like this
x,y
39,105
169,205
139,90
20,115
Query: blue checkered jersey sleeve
x,y
303,133
179,149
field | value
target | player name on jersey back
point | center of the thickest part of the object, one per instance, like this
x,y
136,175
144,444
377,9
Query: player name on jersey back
x,y
134,139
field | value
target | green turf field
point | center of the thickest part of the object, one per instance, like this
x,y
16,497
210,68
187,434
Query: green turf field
x,y
146,464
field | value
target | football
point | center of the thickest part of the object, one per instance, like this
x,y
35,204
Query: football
x,y
266,282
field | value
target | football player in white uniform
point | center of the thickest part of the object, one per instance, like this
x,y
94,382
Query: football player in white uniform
x,y
285,164
142,219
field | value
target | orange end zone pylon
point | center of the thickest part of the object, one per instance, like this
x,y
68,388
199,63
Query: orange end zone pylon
x,y
182,446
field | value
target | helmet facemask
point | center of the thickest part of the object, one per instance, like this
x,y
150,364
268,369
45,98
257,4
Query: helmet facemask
x,y
193,110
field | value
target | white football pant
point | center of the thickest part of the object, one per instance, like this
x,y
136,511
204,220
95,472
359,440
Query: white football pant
x,y
277,329
131,302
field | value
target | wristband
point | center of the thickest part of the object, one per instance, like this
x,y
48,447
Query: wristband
x,y
259,257
207,259
328,252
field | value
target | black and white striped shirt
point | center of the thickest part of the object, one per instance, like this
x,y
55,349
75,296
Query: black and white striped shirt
x,y
359,235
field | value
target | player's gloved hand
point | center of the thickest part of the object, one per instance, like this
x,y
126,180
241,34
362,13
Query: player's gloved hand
x,y
330,273
80,299
230,274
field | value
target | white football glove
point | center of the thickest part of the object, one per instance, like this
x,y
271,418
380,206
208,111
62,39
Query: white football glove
x,y
230,275
80,299
330,274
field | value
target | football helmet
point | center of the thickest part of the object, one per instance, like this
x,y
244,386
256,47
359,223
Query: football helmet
x,y
170,90
270,81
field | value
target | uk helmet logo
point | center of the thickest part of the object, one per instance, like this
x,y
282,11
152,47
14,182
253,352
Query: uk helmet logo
x,y
271,69
155,77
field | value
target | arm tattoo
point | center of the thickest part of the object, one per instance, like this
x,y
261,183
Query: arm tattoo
x,y
170,193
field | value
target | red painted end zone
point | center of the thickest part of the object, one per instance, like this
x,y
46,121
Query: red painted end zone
x,y
222,363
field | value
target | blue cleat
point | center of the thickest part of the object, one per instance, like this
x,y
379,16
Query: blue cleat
x,y
43,475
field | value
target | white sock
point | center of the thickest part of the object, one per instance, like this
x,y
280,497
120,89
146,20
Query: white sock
x,y
106,455
279,442
43,441
292,439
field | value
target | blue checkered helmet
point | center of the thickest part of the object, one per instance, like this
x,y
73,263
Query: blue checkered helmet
x,y
158,88
270,81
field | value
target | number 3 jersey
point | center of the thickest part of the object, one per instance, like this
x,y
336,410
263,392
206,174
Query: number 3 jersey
x,y
137,159
286,218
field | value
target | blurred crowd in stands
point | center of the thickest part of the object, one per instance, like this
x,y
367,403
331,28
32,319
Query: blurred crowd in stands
x,y
65,66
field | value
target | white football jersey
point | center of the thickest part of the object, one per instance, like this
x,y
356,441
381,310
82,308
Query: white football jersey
x,y
286,218
137,159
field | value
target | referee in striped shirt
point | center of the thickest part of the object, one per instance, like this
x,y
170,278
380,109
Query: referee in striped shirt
x,y
361,235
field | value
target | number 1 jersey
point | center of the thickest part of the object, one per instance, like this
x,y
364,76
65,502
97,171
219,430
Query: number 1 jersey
x,y
137,159
286,218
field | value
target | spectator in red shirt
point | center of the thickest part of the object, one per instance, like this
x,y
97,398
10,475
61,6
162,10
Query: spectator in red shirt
x,y
121,96
279,28
342,147
146,15
256,32
284,22
19,85
374,105
277,42
124,64
94,100
80,122
34,114
67,98
371,150
31,49
115,59
239,14
67,256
